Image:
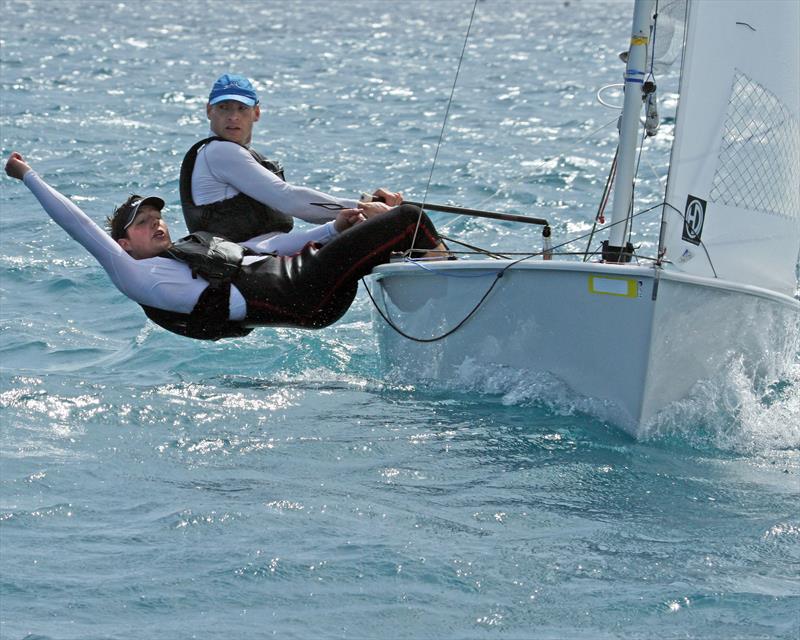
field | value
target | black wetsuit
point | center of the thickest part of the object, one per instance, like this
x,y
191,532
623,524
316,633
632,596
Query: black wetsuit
x,y
311,289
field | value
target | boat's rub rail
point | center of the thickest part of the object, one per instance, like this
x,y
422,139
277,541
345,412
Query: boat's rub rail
x,y
445,267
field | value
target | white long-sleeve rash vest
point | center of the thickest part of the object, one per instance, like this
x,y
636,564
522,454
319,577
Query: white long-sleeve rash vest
x,y
225,169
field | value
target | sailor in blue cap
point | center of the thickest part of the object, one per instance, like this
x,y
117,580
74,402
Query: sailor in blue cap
x,y
229,189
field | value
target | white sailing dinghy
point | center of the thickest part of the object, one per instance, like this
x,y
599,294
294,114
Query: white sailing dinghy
x,y
637,333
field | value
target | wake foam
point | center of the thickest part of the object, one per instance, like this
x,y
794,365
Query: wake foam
x,y
731,413
727,413
516,387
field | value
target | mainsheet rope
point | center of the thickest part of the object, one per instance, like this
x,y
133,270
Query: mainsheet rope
x,y
501,272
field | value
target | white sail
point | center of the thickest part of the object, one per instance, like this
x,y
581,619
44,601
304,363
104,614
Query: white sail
x,y
735,167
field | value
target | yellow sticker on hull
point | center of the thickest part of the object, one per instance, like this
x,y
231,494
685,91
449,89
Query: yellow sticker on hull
x,y
622,287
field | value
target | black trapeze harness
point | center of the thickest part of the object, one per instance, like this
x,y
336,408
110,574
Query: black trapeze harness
x,y
274,287
239,218
219,262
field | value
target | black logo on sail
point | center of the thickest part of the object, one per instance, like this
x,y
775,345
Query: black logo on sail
x,y
693,218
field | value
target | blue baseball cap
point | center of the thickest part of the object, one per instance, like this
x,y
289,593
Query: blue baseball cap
x,y
230,86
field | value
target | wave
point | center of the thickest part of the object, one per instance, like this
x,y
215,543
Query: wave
x,y
727,413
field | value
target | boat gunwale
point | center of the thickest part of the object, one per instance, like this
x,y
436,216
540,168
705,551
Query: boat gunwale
x,y
427,268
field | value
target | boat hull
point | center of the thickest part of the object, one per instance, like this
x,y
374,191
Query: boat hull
x,y
633,338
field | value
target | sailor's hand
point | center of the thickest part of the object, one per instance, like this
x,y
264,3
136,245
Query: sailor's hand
x,y
16,167
346,218
370,209
389,197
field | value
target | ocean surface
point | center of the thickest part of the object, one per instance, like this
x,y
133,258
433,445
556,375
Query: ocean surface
x,y
278,485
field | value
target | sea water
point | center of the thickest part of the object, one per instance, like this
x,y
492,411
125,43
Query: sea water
x,y
277,485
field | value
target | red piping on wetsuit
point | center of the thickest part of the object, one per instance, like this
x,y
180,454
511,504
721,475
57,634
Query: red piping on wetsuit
x,y
410,230
385,246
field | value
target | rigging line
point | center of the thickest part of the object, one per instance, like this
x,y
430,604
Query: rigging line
x,y
444,122
603,201
498,275
702,244
629,230
482,203
653,41
474,310
659,178
511,254
442,336
474,248
650,76
554,249
609,226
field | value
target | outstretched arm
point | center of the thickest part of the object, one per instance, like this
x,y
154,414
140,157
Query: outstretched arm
x,y
157,282
69,217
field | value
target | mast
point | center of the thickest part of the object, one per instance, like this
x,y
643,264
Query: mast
x,y
614,249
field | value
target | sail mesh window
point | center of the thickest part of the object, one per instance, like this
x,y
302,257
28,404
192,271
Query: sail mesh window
x,y
758,163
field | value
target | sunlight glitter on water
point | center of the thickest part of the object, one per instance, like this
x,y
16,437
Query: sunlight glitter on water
x,y
153,487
